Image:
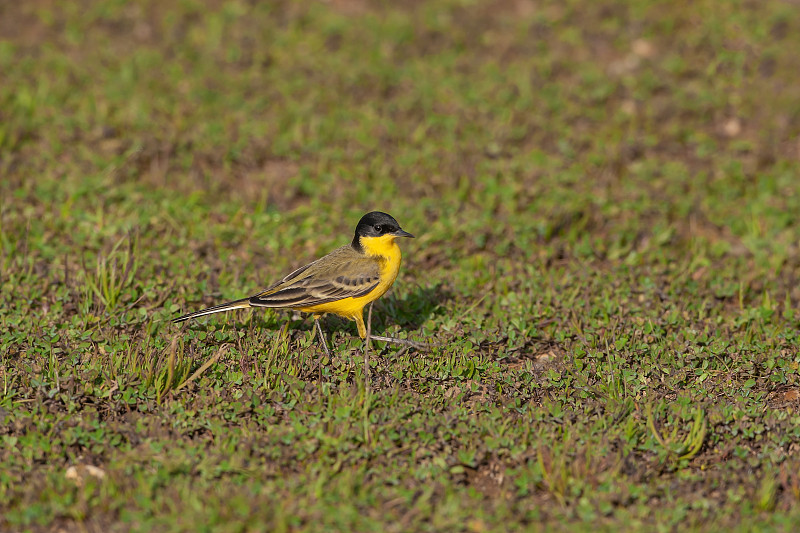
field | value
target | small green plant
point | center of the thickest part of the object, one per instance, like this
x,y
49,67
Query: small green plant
x,y
279,348
555,473
766,497
112,274
167,369
676,447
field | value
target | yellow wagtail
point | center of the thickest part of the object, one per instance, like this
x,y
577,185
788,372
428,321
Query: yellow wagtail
x,y
342,282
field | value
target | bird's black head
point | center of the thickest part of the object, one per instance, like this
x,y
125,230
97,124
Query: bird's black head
x,y
377,224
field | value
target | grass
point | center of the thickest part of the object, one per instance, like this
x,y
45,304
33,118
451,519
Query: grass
x,y
605,199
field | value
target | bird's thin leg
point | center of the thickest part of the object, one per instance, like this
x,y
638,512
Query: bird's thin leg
x,y
322,337
405,342
324,345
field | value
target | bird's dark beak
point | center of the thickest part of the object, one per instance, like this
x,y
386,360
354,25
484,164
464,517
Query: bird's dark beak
x,y
401,233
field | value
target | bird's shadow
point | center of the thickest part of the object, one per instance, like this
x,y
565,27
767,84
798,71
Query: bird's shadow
x,y
411,311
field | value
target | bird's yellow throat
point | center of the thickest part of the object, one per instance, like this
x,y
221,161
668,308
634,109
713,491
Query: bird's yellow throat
x,y
383,246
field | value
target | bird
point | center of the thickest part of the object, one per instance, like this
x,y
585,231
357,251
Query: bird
x,y
340,283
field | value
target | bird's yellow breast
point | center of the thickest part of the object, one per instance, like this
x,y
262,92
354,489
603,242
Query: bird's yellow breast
x,y
385,250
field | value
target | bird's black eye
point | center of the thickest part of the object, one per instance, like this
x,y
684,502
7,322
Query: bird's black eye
x,y
378,228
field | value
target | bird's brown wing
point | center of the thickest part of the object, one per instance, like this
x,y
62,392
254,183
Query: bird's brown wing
x,y
343,273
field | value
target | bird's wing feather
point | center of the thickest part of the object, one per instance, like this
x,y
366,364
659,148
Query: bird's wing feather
x,y
343,273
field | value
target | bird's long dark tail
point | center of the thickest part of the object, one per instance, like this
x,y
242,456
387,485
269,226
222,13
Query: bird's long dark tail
x,y
236,304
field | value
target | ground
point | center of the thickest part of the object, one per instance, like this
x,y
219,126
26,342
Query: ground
x,y
605,197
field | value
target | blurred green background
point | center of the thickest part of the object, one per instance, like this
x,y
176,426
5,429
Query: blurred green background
x,y
605,197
